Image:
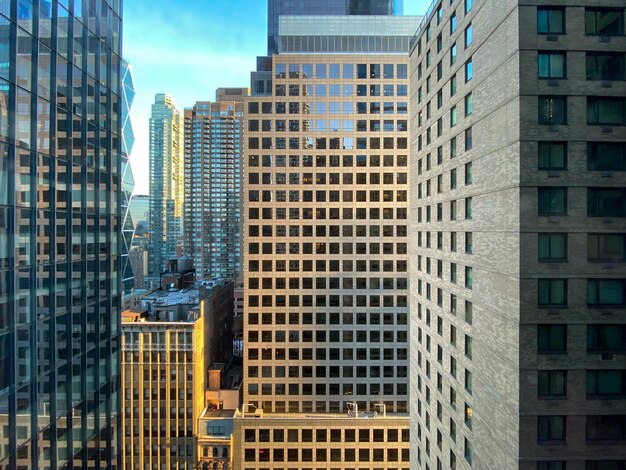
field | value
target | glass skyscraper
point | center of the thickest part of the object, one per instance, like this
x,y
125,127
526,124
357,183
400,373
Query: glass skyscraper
x,y
277,8
128,180
166,181
60,244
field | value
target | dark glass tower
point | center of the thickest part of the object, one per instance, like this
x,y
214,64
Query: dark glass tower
x,y
278,8
60,233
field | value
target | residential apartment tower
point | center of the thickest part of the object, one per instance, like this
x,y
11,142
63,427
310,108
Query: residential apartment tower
x,y
518,197
166,182
213,185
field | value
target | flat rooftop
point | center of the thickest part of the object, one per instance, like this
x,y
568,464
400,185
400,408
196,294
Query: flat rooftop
x,y
173,297
362,416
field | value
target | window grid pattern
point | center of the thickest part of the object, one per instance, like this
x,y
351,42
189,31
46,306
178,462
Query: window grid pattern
x,y
60,234
326,237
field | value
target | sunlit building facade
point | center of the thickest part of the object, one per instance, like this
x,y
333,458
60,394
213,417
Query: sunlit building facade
x,y
60,234
326,274
166,182
167,348
164,377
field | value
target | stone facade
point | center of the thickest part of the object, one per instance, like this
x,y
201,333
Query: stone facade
x,y
502,248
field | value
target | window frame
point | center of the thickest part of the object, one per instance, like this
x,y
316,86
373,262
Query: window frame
x,y
595,112
546,332
550,145
550,9
551,292
596,19
551,56
550,236
548,212
546,105
550,439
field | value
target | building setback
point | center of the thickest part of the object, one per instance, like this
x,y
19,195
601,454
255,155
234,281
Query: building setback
x,y
166,182
326,210
213,186
518,197
278,8
60,234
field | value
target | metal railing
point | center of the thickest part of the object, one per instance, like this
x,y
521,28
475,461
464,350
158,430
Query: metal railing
x,y
422,25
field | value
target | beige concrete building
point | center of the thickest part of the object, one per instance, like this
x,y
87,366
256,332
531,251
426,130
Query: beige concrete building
x,y
163,377
216,426
166,352
326,275
326,441
326,234
518,197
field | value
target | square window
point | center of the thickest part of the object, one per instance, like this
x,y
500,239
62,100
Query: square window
x,y
552,110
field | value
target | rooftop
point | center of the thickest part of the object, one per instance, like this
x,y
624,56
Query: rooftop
x,y
173,297
362,415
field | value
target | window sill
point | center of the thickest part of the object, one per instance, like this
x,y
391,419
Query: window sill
x,y
605,442
551,442
606,305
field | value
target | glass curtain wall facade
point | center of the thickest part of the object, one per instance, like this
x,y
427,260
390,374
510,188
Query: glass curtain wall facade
x,y
277,8
166,182
213,188
128,181
60,233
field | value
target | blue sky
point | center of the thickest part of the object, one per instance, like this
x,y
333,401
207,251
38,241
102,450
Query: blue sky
x,y
189,48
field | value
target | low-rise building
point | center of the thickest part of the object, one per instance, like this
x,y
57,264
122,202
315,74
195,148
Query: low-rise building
x,y
216,424
343,441
167,347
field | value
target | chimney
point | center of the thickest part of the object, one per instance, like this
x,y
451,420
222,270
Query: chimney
x,y
215,379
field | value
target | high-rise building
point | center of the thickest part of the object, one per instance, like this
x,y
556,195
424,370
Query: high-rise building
x,y
278,8
326,213
213,185
166,182
518,192
60,234
167,348
128,181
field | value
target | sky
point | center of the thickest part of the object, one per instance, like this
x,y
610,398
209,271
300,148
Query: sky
x,y
189,48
